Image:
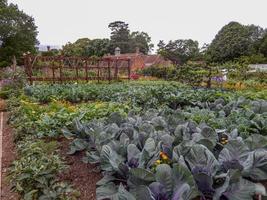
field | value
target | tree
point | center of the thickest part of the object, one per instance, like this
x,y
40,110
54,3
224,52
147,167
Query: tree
x,y
3,3
234,40
98,47
87,47
179,51
263,45
126,41
255,32
120,37
142,41
18,33
77,48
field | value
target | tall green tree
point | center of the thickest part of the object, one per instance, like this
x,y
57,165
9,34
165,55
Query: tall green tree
x,y
142,41
18,33
233,41
128,42
120,37
263,46
179,51
87,47
77,48
98,47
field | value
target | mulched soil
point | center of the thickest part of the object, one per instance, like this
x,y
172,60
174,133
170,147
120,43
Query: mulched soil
x,y
8,156
82,176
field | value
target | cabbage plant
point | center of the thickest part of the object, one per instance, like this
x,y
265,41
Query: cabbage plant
x,y
167,155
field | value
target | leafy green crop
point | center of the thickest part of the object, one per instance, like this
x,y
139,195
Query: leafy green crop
x,y
157,140
178,154
46,120
141,94
33,173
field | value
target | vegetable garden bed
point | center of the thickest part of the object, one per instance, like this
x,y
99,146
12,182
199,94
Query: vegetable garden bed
x,y
149,140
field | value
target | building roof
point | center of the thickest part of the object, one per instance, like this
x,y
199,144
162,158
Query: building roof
x,y
148,60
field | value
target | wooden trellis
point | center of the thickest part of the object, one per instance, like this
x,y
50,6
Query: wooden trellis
x,y
61,68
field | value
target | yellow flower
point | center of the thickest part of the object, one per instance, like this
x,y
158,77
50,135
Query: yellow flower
x,y
164,157
98,105
158,162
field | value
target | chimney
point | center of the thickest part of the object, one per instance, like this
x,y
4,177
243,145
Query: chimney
x,y
137,50
117,51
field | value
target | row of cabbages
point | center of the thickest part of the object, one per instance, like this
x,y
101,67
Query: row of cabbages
x,y
209,151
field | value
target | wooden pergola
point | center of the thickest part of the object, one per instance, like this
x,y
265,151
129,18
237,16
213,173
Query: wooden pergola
x,y
62,69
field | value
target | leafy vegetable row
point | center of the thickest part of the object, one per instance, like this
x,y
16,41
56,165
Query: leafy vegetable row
x,y
167,155
136,95
30,118
34,173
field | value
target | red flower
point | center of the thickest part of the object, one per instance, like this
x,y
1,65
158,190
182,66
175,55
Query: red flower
x,y
134,76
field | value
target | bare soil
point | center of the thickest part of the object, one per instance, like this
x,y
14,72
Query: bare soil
x,y
2,105
82,176
9,154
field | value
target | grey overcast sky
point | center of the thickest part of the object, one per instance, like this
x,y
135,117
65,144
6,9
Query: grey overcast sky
x,y
60,21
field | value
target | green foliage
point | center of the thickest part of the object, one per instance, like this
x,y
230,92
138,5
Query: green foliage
x,y
193,143
142,41
46,121
148,95
189,74
13,82
199,157
17,32
252,59
163,72
179,51
33,173
78,48
239,70
263,45
87,47
234,40
120,37
126,41
98,47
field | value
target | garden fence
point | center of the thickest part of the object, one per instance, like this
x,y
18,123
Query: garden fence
x,y
60,68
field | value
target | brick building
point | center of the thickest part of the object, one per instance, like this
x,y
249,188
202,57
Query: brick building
x,y
139,60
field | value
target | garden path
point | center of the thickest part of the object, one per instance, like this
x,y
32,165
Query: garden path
x,y
1,145
7,152
7,155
